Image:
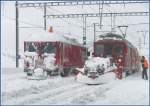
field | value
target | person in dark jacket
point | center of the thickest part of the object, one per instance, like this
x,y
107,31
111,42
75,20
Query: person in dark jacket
x,y
144,67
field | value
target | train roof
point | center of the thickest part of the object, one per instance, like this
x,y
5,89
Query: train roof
x,y
113,37
43,36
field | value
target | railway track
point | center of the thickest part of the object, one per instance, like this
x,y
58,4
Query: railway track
x,y
43,93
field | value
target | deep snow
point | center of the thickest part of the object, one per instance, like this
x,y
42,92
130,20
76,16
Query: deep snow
x,y
17,89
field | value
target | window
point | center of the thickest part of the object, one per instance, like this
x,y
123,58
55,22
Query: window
x,y
99,49
118,49
49,48
108,49
31,47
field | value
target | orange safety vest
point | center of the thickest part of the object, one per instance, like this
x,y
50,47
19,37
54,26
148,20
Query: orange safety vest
x,y
145,63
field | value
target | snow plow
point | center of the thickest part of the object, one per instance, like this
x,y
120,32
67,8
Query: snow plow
x,y
94,71
39,67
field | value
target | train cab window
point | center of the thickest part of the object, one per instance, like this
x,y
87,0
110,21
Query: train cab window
x,y
118,49
31,47
108,50
49,48
99,49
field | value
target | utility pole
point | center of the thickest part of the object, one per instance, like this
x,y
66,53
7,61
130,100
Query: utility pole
x,y
113,17
139,44
17,35
45,16
84,31
84,34
111,22
95,24
101,12
94,32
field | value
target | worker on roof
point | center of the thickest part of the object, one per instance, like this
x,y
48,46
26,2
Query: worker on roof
x,y
144,67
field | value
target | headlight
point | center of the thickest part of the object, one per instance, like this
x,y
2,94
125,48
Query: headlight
x,y
119,60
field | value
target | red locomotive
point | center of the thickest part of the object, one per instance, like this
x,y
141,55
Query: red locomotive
x,y
121,52
67,53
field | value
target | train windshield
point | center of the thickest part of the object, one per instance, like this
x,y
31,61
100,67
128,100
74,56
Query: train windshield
x,y
31,47
109,49
40,47
49,48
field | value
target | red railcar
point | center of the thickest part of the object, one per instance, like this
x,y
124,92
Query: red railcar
x,y
68,54
121,52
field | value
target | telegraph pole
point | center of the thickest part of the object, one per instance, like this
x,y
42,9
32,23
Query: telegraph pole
x,y
113,17
45,16
100,12
17,35
84,31
94,32
139,44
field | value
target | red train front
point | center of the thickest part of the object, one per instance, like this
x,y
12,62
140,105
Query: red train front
x,y
120,51
65,55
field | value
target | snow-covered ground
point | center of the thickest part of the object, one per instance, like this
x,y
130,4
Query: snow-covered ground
x,y
17,89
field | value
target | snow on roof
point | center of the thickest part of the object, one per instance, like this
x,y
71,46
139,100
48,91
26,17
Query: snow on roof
x,y
44,36
111,36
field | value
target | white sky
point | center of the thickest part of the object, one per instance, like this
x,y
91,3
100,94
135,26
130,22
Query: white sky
x,y
34,16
